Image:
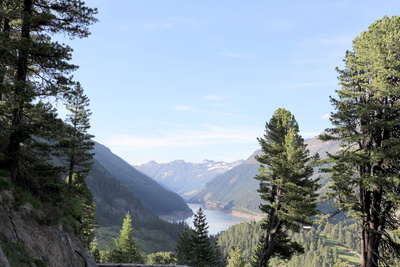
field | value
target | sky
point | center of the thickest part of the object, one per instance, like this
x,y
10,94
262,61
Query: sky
x,y
196,80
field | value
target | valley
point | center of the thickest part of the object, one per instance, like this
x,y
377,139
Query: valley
x,y
229,187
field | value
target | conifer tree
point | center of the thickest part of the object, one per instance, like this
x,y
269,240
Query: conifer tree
x,y
284,185
236,258
125,245
183,250
365,173
76,144
195,246
203,253
33,68
94,250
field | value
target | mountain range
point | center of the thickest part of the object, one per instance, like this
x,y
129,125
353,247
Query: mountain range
x,y
186,178
236,190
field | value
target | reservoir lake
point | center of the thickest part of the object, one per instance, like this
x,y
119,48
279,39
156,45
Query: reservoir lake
x,y
218,221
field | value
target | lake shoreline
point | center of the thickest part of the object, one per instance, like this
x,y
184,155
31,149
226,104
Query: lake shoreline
x,y
239,214
245,215
219,220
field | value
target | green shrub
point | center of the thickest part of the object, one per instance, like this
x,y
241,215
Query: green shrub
x,y
72,213
4,173
23,196
17,256
4,184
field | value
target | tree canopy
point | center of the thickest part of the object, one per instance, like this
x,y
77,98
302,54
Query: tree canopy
x,y
285,186
365,173
34,71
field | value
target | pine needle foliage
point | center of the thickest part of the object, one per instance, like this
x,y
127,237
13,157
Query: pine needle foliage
x,y
35,71
125,245
365,173
195,247
289,198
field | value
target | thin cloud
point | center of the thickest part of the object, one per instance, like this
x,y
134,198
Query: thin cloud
x,y
208,135
326,116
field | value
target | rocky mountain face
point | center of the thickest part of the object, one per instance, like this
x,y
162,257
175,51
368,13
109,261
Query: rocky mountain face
x,y
186,178
236,190
22,238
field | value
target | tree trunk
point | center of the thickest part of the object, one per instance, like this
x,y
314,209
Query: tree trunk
x,y
269,243
371,228
17,135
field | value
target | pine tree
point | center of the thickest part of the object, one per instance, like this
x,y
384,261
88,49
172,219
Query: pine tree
x,y
94,250
76,144
236,258
125,245
33,68
183,250
195,246
203,253
284,185
365,173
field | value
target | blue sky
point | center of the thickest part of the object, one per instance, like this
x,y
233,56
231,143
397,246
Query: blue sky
x,y
197,80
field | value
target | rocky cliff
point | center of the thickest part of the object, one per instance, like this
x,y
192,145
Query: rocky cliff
x,y
25,242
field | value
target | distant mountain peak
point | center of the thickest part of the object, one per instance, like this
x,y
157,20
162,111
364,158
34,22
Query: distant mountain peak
x,y
186,178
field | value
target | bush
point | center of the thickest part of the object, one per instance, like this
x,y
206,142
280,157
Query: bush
x,y
17,256
23,196
161,258
4,184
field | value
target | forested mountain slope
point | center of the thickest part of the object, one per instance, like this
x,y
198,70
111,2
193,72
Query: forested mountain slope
x,y
236,190
186,178
156,198
113,200
323,245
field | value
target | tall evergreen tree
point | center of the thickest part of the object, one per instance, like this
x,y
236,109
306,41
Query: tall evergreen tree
x,y
195,246
202,250
365,173
125,245
285,185
183,250
34,67
76,143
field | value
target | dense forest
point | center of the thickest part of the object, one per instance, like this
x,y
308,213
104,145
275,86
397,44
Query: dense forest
x,y
324,245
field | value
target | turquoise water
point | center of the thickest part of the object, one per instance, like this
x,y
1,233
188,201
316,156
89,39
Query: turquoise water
x,y
218,221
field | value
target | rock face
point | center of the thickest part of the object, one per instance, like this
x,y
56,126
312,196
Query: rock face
x,y
49,244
